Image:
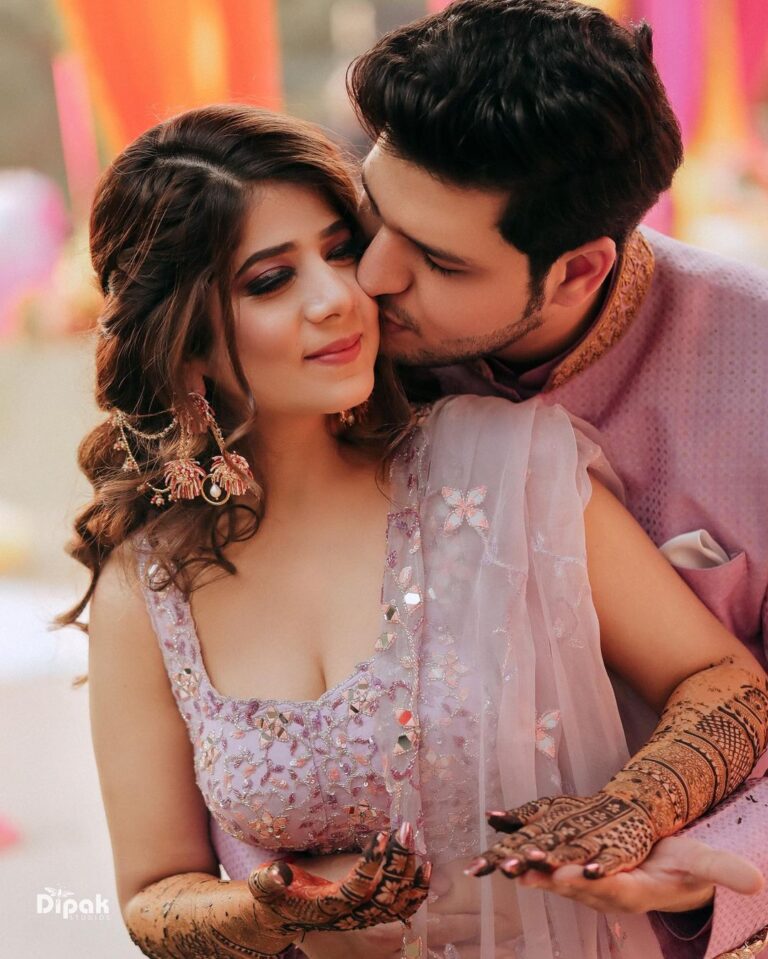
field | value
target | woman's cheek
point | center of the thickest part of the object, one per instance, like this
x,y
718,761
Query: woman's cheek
x,y
370,312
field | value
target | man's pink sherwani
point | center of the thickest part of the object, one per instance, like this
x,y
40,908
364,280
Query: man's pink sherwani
x,y
674,374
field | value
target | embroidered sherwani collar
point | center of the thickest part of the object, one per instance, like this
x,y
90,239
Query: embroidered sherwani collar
x,y
631,282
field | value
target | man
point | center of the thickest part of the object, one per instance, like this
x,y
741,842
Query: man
x,y
518,143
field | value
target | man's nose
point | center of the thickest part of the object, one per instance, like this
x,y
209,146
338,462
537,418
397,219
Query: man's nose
x,y
382,269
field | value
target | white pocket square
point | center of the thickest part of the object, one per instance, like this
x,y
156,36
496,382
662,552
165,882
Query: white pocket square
x,y
695,550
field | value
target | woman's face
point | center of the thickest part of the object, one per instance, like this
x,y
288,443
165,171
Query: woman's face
x,y
307,335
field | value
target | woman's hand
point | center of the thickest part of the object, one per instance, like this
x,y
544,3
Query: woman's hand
x,y
384,886
604,833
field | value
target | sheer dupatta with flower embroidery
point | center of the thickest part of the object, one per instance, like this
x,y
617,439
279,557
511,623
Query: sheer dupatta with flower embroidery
x,y
502,694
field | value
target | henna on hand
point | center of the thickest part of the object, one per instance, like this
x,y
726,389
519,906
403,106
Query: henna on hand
x,y
605,831
196,915
705,745
385,885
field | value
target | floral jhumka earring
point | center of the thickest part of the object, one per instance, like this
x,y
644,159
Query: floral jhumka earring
x,y
358,414
184,477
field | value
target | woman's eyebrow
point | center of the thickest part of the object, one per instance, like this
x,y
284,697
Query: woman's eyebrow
x,y
269,251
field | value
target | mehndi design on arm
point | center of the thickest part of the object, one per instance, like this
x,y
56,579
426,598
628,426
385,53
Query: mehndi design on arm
x,y
703,748
195,915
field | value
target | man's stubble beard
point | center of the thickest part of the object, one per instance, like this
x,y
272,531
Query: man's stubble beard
x,y
468,348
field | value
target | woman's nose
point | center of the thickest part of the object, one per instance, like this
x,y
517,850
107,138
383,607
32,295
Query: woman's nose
x,y
381,269
330,294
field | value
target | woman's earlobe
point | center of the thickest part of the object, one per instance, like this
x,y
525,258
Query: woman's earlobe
x,y
194,380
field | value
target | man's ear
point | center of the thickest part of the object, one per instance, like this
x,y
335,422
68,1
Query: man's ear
x,y
580,272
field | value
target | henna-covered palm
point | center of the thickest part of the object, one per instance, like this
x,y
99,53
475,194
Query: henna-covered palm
x,y
605,833
710,734
384,886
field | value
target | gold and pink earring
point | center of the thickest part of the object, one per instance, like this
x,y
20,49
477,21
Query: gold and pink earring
x,y
356,414
184,477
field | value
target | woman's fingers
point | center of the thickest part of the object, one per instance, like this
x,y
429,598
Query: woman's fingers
x,y
396,878
606,863
413,895
384,885
519,816
270,881
563,855
396,890
604,833
365,876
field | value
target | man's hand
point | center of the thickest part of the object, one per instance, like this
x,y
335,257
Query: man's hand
x,y
679,875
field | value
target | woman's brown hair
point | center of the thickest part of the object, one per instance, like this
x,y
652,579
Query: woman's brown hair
x,y
167,217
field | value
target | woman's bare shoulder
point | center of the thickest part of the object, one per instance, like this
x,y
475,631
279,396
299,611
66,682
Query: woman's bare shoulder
x,y
118,595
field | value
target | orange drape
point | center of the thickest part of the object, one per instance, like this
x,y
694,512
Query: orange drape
x,y
148,59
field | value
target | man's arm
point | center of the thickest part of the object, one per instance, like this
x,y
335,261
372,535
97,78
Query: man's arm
x,y
740,826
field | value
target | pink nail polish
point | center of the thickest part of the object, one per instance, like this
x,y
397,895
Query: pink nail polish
x,y
405,834
495,812
476,867
510,865
426,871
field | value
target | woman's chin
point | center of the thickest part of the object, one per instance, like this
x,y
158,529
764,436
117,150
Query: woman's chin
x,y
356,397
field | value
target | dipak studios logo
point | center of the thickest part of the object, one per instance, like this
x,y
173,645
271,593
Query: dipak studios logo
x,y
60,902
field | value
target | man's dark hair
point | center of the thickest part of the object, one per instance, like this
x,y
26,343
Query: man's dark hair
x,y
549,99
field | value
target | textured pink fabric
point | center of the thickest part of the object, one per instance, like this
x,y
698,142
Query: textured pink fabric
x,y
681,403
739,826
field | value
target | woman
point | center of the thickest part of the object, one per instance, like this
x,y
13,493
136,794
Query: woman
x,y
248,659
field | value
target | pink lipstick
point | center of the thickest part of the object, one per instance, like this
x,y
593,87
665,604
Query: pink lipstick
x,y
340,351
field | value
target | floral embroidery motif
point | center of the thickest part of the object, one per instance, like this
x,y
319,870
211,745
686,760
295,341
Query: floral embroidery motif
x,y
209,753
465,507
447,670
272,724
267,827
361,697
187,683
545,727
362,814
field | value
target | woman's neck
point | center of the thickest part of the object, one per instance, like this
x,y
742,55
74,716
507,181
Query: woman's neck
x,y
300,459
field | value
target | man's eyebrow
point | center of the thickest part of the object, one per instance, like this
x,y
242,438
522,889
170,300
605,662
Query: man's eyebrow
x,y
433,251
269,251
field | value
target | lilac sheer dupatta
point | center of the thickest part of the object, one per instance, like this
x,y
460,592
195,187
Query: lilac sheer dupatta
x,y
498,692
493,647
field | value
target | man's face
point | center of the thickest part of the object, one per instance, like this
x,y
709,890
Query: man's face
x,y
449,286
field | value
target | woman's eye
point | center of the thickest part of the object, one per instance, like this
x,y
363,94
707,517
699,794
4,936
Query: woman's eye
x,y
439,269
351,249
268,282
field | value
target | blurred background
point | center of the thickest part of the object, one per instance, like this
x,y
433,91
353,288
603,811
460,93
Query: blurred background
x,y
79,79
